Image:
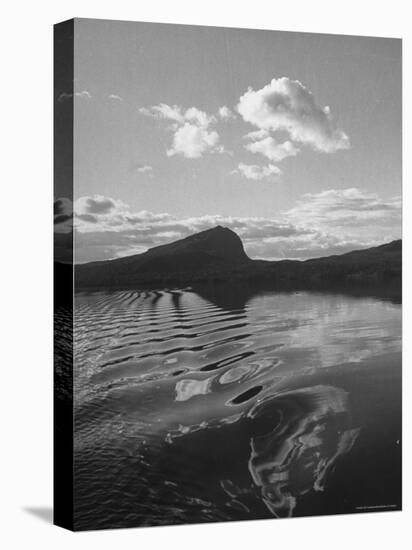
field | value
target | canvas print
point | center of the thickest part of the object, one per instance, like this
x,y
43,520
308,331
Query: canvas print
x,y
228,262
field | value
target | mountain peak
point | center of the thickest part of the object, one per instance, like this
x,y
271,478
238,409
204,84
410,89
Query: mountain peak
x,y
218,254
218,242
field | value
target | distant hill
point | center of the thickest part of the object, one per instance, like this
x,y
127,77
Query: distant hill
x,y
218,255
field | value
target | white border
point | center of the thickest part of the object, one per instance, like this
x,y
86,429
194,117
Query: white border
x,y
26,269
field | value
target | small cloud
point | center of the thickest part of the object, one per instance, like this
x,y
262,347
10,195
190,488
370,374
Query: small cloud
x,y
141,168
271,149
225,113
62,206
84,94
63,215
65,96
115,97
144,168
256,173
97,204
257,134
163,111
191,129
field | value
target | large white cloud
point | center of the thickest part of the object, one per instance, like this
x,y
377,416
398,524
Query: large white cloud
x,y
287,106
284,113
191,129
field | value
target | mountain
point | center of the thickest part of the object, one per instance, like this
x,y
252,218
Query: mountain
x,y
205,254
377,265
218,255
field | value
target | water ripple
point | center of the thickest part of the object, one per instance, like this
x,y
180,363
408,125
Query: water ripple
x,y
187,410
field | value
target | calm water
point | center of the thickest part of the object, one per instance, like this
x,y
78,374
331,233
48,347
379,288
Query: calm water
x,y
194,407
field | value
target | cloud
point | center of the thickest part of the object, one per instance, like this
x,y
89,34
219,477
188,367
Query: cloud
x,y
144,168
141,168
191,130
257,135
256,173
87,218
348,208
63,215
271,149
163,111
84,94
103,214
115,97
65,96
192,141
95,205
225,113
123,232
305,246
62,206
341,220
287,106
321,224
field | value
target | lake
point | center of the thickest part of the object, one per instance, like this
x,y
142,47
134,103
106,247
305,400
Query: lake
x,y
226,404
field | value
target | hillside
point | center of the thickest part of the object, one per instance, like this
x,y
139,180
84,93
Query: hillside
x,y
218,255
205,254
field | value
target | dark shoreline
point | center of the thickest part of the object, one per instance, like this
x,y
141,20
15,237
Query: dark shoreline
x,y
222,292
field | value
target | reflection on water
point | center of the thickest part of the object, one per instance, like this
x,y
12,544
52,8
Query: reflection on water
x,y
296,455
193,407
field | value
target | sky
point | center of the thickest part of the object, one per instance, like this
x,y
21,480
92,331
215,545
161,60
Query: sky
x,y
292,140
